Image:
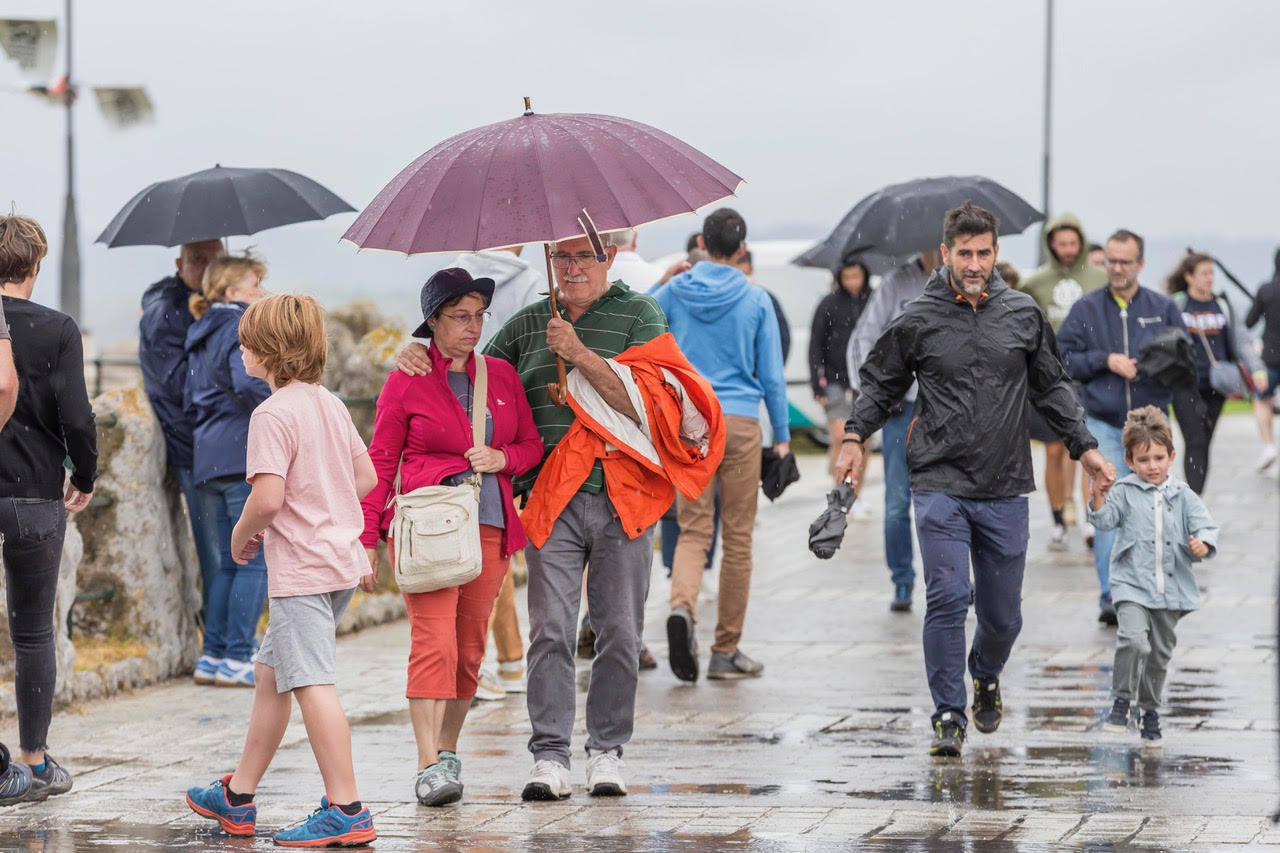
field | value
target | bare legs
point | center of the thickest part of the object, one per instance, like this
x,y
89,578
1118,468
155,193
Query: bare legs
x,y
436,726
1058,475
326,729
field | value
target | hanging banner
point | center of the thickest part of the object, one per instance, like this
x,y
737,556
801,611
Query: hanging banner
x,y
31,44
124,108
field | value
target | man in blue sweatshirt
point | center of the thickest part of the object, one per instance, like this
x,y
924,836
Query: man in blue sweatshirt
x,y
727,328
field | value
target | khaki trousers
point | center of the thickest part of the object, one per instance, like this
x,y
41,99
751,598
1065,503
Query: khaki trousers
x,y
504,623
739,478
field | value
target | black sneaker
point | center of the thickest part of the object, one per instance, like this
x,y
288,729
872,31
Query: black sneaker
x,y
948,737
53,779
1107,614
1151,738
987,710
1118,720
682,646
586,642
15,779
901,598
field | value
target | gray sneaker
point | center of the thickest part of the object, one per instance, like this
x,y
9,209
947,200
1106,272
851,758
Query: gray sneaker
x,y
15,781
53,779
452,765
434,787
733,665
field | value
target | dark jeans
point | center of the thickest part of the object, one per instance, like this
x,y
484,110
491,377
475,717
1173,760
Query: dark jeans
x,y
238,593
1197,412
33,530
898,551
201,507
993,534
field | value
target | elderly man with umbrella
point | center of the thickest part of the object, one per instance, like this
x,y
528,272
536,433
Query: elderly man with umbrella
x,y
561,179
979,351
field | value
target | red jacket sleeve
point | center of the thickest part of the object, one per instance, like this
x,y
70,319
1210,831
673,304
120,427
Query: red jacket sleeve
x,y
525,451
390,428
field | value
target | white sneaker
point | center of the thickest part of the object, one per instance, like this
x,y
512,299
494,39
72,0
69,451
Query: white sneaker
x,y
511,676
860,511
1267,458
549,780
1058,538
604,775
488,687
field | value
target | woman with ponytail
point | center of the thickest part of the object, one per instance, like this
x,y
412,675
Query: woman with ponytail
x,y
220,396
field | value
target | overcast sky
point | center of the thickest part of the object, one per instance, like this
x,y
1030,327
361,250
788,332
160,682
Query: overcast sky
x,y
1164,111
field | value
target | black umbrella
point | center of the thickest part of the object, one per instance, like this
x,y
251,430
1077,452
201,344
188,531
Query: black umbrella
x,y
827,531
219,202
892,224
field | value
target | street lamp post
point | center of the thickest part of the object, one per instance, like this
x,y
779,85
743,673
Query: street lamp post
x,y
70,290
1048,116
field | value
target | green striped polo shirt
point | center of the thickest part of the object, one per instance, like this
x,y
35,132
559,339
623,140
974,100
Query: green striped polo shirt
x,y
620,319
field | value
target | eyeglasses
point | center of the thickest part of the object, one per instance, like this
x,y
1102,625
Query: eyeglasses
x,y
584,260
1119,262
463,319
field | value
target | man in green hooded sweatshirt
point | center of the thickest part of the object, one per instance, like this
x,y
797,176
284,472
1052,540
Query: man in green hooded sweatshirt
x,y
1064,277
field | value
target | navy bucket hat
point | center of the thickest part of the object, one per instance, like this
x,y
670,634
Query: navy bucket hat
x,y
447,284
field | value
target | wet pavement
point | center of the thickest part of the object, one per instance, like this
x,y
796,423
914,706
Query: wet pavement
x,y
827,749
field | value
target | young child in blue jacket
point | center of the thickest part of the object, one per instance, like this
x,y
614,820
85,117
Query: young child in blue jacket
x,y
1163,528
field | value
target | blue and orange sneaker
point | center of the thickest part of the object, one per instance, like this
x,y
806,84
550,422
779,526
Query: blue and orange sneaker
x,y
211,802
329,827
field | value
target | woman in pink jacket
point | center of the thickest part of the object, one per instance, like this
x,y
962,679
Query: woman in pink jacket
x,y
426,422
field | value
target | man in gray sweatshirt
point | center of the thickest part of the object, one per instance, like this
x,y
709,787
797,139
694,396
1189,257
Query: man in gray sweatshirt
x,y
900,286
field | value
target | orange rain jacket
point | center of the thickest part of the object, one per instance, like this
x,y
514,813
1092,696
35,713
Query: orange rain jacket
x,y
641,491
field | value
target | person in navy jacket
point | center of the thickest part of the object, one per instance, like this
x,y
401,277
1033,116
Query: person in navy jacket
x,y
219,397
162,354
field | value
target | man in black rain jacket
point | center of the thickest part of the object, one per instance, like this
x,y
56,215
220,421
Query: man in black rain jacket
x,y
979,351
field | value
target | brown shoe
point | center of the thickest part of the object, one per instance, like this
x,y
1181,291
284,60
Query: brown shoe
x,y
646,659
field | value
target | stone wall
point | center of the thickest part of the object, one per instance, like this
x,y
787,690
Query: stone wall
x,y
130,554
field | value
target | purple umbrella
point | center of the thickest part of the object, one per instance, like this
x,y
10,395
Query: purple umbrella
x,y
539,179
527,180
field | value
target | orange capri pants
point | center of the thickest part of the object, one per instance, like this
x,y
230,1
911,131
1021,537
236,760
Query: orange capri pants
x,y
448,628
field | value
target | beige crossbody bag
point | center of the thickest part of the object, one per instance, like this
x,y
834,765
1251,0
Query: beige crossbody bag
x,y
435,533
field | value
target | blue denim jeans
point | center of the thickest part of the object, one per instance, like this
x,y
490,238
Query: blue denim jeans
x,y
201,507
992,534
898,551
238,593
1113,451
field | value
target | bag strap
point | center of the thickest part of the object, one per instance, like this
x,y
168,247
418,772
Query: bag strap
x,y
1207,349
480,394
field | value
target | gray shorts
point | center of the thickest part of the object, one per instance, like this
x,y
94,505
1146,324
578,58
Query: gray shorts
x,y
301,644
839,402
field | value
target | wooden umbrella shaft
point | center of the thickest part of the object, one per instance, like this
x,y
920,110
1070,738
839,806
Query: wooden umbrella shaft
x,y
558,390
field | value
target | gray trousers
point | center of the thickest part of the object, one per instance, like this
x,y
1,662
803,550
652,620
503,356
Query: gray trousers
x,y
1144,643
587,531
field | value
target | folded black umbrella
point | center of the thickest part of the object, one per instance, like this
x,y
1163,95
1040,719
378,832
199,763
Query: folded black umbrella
x,y
216,203
827,531
777,472
1167,359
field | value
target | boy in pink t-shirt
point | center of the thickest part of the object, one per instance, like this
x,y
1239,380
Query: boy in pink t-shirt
x,y
309,470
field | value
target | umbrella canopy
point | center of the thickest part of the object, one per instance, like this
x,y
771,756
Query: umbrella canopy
x,y
216,203
827,531
528,180
892,224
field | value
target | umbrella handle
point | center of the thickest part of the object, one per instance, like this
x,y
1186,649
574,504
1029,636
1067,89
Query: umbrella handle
x,y
558,391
